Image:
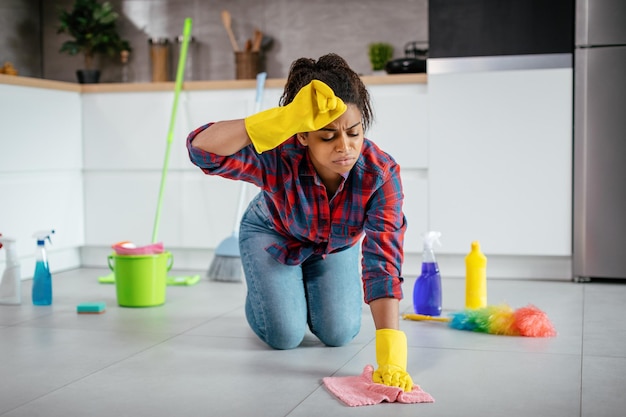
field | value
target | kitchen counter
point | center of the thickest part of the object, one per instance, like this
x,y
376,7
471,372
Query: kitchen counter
x,y
38,83
191,85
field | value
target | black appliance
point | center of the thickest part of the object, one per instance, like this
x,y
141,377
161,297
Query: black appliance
x,y
414,61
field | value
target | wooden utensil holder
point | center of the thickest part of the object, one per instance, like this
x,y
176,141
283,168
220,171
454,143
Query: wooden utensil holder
x,y
246,65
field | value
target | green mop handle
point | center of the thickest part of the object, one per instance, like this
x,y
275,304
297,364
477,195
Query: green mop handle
x,y
180,74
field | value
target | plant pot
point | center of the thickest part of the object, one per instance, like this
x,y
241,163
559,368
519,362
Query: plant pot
x,y
88,76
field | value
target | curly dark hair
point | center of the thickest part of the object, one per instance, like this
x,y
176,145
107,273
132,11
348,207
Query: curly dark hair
x,y
337,74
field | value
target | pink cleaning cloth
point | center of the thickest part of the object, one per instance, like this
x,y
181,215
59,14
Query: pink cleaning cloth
x,y
361,390
129,248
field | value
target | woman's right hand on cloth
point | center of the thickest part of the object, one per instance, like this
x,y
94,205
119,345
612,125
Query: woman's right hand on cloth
x,y
391,355
314,107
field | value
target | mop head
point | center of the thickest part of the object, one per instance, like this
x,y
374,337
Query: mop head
x,y
503,320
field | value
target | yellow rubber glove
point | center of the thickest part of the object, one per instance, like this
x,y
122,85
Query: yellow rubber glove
x,y
391,355
314,107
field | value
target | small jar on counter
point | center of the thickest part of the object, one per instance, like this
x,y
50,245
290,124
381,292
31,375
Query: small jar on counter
x,y
160,59
127,73
190,61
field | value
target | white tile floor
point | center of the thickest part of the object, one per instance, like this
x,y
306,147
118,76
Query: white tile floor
x,y
195,356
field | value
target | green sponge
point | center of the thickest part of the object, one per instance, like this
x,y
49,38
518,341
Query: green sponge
x,y
91,308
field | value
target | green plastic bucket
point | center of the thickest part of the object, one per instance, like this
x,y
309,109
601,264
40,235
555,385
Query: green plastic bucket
x,y
140,280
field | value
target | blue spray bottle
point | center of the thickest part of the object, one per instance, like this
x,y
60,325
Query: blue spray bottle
x,y
42,280
427,289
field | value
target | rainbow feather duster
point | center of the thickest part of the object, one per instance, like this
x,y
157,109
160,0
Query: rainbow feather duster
x,y
500,319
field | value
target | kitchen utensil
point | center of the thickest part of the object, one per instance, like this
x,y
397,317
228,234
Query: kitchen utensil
x,y
227,21
266,42
256,41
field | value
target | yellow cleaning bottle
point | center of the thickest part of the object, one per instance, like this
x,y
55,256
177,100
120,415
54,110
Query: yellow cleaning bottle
x,y
475,278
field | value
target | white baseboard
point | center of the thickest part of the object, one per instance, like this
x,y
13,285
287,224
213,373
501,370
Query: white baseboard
x,y
498,267
184,259
58,260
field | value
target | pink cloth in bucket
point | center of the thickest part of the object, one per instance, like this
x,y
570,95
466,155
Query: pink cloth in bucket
x,y
128,248
361,390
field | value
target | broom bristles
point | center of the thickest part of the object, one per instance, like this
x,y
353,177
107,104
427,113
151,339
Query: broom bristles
x,y
226,269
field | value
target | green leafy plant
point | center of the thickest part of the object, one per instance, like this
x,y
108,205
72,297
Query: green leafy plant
x,y
379,53
92,26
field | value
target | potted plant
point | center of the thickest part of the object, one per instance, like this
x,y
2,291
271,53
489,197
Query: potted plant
x,y
379,53
92,26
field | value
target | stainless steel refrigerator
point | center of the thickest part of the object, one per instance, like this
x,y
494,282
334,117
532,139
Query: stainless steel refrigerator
x,y
599,229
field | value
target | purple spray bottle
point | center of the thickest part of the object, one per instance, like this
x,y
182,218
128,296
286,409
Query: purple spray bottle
x,y
427,289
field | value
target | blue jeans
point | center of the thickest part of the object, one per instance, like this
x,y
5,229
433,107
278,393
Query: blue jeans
x,y
282,300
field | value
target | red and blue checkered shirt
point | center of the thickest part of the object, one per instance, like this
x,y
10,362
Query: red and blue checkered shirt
x,y
368,201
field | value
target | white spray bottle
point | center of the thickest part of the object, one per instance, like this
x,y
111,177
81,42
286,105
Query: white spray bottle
x,y
42,280
11,284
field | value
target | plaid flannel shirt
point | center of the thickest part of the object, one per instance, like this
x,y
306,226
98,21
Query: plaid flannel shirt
x,y
368,201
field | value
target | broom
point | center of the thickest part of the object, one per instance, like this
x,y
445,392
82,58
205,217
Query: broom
x,y
226,264
501,320
180,280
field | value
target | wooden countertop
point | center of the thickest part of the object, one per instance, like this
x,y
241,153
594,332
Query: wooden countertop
x,y
190,85
38,83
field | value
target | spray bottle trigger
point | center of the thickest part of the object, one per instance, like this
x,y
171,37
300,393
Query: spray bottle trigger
x,y
43,235
430,238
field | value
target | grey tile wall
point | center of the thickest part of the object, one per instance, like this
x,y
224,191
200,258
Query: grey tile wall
x,y
20,36
298,27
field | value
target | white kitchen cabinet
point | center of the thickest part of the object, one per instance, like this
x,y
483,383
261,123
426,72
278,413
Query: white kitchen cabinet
x,y
401,123
500,161
41,184
125,136
400,128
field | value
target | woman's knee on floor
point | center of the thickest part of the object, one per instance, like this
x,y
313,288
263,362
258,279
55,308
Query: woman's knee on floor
x,y
283,340
338,334
281,335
